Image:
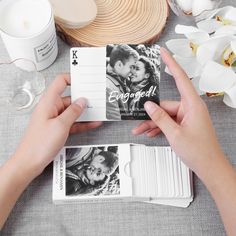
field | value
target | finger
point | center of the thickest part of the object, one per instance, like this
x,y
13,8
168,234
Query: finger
x,y
153,132
82,127
66,101
171,107
182,81
73,112
144,127
58,86
48,105
62,104
161,119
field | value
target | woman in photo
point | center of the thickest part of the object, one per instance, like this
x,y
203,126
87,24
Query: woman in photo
x,y
144,83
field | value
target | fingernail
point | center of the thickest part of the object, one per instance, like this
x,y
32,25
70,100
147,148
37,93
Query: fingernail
x,y
82,102
150,107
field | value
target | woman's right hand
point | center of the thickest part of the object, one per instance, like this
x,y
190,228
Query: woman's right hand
x,y
185,123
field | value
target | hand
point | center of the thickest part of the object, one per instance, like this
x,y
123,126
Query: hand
x,y
49,127
185,123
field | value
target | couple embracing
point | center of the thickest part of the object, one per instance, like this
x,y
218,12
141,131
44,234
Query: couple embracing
x,y
132,79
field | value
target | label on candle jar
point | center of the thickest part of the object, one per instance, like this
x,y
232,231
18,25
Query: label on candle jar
x,y
45,50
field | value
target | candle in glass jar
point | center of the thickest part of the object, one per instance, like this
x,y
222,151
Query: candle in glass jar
x,y
28,31
24,18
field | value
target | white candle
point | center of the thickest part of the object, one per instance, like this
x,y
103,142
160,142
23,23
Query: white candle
x,y
201,5
185,5
24,18
28,31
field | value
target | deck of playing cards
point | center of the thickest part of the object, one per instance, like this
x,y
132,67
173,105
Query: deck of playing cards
x,y
122,172
117,80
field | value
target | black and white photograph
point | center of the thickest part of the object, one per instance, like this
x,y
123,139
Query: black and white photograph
x,y
92,171
132,78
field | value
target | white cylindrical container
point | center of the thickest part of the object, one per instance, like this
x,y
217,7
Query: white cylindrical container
x,y
28,31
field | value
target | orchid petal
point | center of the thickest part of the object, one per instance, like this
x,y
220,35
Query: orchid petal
x,y
230,97
230,14
212,49
210,25
184,29
200,6
226,30
233,45
198,37
190,65
195,82
216,78
211,14
222,11
180,47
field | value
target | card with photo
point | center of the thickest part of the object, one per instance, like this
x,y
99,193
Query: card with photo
x,y
116,80
87,173
132,78
92,171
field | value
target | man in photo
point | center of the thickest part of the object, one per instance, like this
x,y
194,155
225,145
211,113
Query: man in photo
x,y
88,170
122,61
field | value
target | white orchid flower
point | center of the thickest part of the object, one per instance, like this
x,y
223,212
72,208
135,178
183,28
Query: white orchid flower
x,y
222,17
218,76
187,47
209,61
218,79
213,49
185,50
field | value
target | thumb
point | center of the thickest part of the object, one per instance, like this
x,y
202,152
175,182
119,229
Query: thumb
x,y
162,119
73,112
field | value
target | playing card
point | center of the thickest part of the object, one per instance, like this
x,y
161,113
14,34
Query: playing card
x,y
109,78
88,79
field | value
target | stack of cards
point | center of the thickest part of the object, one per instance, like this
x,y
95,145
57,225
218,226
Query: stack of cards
x,y
123,172
159,174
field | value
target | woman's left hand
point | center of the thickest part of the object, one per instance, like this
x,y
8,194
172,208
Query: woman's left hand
x,y
49,127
